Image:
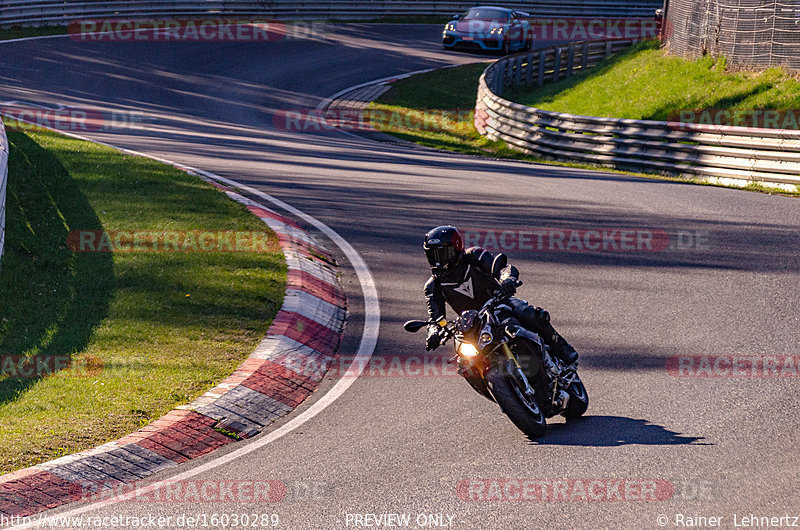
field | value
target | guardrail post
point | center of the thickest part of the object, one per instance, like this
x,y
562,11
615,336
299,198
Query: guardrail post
x,y
609,45
542,56
557,65
584,56
500,79
517,70
529,70
570,60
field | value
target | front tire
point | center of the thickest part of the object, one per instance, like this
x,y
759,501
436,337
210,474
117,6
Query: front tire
x,y
526,415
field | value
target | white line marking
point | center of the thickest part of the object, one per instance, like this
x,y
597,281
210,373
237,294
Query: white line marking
x,y
369,337
390,79
325,103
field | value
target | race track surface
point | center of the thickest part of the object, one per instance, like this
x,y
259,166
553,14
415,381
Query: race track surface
x,y
402,443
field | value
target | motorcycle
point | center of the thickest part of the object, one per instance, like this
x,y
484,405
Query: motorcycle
x,y
512,366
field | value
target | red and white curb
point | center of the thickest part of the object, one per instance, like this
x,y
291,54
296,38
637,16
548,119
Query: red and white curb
x,y
273,381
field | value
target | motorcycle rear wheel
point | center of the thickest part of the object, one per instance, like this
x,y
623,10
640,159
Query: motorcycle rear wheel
x,y
526,415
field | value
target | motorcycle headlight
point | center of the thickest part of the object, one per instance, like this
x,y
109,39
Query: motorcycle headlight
x,y
467,350
486,338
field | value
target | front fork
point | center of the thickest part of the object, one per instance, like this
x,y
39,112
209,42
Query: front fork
x,y
513,367
560,397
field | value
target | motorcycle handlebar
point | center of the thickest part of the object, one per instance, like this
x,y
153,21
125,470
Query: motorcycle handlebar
x,y
415,325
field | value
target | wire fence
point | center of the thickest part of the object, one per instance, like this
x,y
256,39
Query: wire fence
x,y
749,33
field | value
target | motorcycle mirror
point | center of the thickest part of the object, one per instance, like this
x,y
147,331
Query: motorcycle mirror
x,y
413,326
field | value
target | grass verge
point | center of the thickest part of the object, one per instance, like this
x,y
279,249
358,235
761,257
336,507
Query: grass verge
x,y
644,83
18,32
144,331
436,109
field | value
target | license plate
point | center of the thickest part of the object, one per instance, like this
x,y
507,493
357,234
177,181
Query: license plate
x,y
468,38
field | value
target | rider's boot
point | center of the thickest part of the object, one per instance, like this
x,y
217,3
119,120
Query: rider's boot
x,y
538,320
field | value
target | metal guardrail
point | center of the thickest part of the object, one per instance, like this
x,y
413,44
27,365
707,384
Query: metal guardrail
x,y
3,180
48,12
768,155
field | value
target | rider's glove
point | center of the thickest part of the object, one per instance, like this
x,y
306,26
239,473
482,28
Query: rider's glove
x,y
508,287
434,340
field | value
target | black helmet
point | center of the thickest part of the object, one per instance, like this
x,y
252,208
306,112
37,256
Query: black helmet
x,y
443,248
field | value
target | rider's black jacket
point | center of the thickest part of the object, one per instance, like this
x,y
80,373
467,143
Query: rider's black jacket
x,y
469,285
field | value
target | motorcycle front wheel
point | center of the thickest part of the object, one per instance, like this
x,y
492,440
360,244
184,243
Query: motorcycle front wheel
x,y
525,413
578,400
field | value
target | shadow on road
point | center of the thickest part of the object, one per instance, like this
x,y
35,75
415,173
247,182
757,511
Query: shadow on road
x,y
613,431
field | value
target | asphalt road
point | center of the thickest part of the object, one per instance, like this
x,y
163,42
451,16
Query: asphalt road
x,y
403,443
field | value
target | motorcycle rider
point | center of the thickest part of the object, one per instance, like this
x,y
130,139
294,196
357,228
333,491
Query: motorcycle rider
x,y
463,279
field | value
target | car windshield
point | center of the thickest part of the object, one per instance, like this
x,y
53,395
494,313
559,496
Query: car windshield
x,y
480,13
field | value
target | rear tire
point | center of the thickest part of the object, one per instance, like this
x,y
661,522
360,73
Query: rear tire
x,y
578,400
528,417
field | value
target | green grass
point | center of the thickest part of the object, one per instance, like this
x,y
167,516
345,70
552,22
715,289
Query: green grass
x,y
436,109
17,32
645,83
447,98
147,331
